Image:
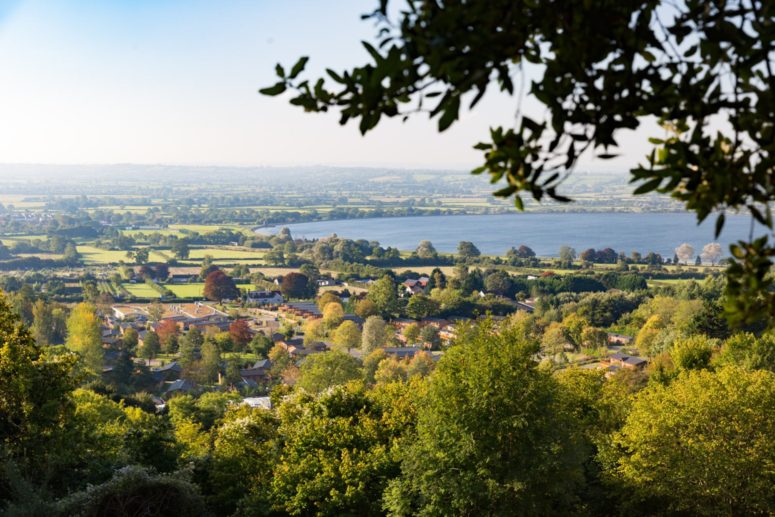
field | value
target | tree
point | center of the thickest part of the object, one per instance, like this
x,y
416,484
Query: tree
x,y
711,252
84,336
567,254
139,255
321,371
34,393
374,334
296,285
384,296
219,286
684,252
467,250
260,344
180,248
130,339
244,452
151,346
211,362
594,338
421,365
240,334
326,298
43,324
412,333
313,331
155,312
498,282
429,336
335,456
365,308
348,335
425,250
525,252
527,441
680,446
555,339
167,331
686,71
390,370
747,351
332,315
420,306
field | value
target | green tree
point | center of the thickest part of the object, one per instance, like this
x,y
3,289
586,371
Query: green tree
x,y
493,436
748,351
84,336
692,353
43,324
421,306
245,450
685,70
34,393
347,336
211,362
321,371
466,249
703,445
335,460
180,248
374,334
384,296
412,333
130,339
151,346
425,250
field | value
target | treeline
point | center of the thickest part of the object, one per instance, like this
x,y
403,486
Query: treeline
x,y
486,430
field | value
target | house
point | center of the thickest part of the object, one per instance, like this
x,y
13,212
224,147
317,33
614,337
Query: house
x,y
179,386
167,373
524,306
265,297
258,402
326,281
257,373
414,286
627,361
619,339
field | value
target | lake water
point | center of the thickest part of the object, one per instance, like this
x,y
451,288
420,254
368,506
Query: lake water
x,y
543,232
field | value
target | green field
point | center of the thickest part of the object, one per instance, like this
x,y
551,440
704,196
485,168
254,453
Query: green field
x,y
141,290
92,255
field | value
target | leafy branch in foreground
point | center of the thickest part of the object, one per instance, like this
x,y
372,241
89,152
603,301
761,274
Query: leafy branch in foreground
x,y
704,68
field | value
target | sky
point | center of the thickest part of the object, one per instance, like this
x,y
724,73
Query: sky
x,y
175,82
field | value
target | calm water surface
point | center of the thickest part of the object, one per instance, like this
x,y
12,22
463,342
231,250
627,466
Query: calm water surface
x,y
544,233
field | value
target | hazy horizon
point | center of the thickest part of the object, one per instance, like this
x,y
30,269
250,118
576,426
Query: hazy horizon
x,y
163,83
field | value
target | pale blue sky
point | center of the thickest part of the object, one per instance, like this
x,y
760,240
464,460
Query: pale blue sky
x,y
175,81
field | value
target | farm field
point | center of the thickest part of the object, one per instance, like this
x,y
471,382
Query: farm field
x,y
226,253
93,255
141,290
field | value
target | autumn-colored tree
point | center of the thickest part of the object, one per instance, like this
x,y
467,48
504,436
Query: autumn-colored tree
x,y
326,298
332,315
240,333
220,286
296,285
365,308
167,330
84,336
